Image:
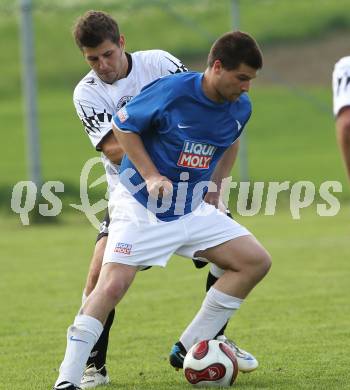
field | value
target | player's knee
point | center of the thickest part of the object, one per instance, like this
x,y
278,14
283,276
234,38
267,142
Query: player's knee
x,y
114,290
255,263
266,262
262,262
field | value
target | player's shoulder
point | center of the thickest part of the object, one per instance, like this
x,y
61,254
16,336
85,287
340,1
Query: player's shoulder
x,y
340,84
244,102
174,82
158,62
90,84
241,108
179,84
153,55
342,64
183,80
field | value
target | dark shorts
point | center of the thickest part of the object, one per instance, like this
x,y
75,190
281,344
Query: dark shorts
x,y
104,227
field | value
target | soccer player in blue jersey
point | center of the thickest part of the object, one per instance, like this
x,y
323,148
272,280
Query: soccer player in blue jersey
x,y
179,136
114,78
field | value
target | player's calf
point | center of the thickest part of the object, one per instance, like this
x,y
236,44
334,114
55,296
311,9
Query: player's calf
x,y
95,265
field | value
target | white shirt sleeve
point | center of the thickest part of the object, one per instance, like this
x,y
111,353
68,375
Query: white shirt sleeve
x,y
168,64
341,85
94,113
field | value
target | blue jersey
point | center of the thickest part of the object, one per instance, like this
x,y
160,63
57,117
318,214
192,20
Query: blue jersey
x,y
185,133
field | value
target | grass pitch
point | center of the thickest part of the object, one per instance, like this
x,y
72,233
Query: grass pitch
x,y
295,322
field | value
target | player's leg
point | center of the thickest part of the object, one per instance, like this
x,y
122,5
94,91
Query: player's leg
x,y
95,265
97,257
246,361
225,297
245,262
213,275
113,283
96,373
134,241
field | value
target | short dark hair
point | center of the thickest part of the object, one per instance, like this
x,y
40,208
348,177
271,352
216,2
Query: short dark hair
x,y
235,48
94,27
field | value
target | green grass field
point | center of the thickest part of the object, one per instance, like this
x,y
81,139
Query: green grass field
x,y
296,321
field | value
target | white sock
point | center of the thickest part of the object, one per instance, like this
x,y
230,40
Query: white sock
x,y
81,337
216,309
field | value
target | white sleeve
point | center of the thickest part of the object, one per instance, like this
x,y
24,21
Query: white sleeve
x,y
168,64
94,112
341,85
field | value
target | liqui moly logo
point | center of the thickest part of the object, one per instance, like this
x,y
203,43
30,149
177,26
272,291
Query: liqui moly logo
x,y
196,155
123,248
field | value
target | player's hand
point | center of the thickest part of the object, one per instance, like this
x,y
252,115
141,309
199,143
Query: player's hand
x,y
159,186
214,199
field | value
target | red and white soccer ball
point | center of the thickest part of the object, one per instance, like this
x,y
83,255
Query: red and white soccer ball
x,y
210,363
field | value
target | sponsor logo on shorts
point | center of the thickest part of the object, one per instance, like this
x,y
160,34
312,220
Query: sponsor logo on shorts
x,y
123,114
196,155
123,248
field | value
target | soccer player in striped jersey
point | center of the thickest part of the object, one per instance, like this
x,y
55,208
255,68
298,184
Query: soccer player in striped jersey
x,y
341,107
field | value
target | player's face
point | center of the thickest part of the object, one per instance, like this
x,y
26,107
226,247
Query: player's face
x,y
230,84
108,60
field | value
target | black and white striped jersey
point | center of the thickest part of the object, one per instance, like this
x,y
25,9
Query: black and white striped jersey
x,y
341,85
96,101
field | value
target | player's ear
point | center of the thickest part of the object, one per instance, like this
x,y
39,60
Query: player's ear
x,y
217,66
122,42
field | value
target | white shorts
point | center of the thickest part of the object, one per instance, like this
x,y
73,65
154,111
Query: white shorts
x,y
137,238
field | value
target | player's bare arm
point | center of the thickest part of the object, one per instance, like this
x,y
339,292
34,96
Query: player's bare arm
x,y
343,135
112,149
222,170
157,185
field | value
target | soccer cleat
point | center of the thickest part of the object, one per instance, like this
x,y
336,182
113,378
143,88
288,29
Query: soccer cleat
x,y
66,386
93,377
177,355
246,361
